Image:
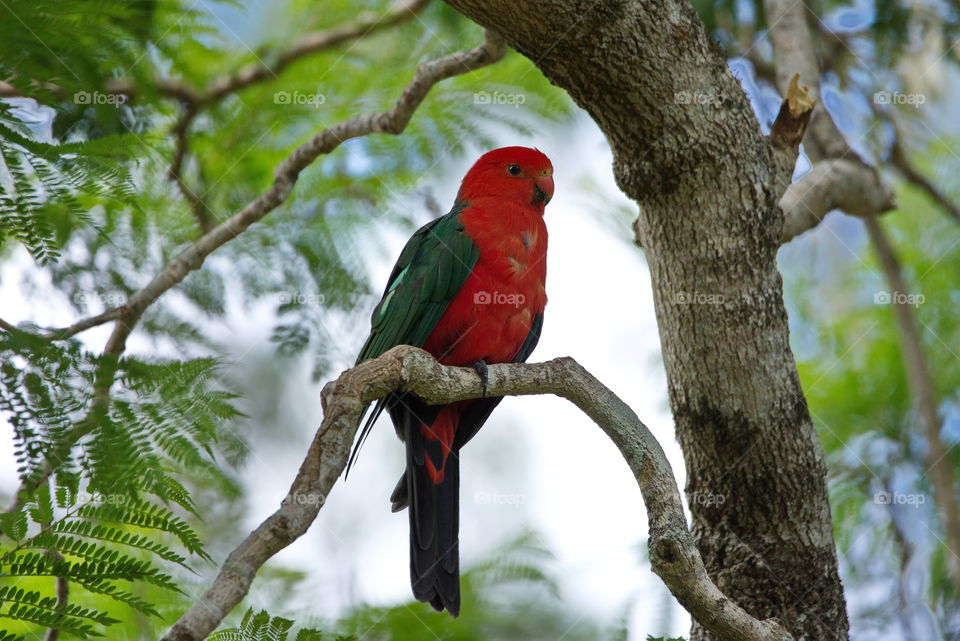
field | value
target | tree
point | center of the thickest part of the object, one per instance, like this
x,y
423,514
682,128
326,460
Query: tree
x,y
716,204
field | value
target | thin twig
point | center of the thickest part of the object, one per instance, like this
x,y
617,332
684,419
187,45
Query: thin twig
x,y
392,121
900,161
62,592
219,88
63,333
201,211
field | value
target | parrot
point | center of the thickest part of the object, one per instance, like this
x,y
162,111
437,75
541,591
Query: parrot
x,y
469,288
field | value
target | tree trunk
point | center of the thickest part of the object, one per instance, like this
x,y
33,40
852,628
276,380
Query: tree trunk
x,y
688,149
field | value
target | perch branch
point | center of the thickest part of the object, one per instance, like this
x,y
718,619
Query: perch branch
x,y
673,554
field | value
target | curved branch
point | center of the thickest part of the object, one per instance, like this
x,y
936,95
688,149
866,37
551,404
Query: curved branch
x,y
201,211
364,25
392,121
793,52
286,174
673,554
63,333
830,184
252,73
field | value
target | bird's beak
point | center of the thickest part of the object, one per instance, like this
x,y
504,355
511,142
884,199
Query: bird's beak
x,y
543,189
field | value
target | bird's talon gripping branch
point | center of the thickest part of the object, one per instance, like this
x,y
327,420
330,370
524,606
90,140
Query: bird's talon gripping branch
x,y
480,367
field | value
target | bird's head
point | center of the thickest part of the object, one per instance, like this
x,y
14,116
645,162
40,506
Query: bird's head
x,y
516,174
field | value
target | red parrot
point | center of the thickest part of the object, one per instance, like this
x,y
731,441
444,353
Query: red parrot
x,y
468,288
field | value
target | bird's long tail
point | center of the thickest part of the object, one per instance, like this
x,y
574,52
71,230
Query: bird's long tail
x,y
431,487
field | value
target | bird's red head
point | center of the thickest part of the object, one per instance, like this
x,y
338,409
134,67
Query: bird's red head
x,y
518,174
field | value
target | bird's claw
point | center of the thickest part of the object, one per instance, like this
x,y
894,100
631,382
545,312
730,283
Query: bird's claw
x,y
480,367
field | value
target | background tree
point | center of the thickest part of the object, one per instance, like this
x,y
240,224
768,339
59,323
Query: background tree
x,y
166,166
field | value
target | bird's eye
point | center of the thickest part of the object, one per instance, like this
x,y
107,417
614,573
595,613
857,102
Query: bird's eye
x,y
514,169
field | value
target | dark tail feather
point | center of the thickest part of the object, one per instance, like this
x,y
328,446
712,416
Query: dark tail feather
x,y
434,523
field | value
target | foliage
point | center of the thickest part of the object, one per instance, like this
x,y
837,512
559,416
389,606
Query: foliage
x,y
511,594
113,453
107,515
856,386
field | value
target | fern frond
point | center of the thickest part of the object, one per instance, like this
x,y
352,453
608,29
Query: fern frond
x,y
148,515
261,626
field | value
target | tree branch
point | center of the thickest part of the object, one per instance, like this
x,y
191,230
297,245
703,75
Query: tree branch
x,y
792,46
219,88
788,129
64,333
392,121
62,592
673,555
286,174
830,184
923,388
793,52
900,161
364,25
201,212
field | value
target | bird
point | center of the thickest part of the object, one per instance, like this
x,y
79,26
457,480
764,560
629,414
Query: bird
x,y
469,288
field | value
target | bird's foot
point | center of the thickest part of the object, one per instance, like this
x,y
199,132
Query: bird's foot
x,y
480,367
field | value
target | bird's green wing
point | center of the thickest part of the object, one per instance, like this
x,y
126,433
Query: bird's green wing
x,y
431,270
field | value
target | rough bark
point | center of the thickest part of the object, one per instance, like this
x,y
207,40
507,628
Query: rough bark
x,y
687,148
673,554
